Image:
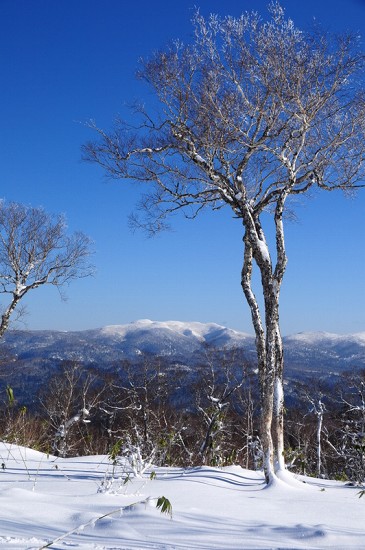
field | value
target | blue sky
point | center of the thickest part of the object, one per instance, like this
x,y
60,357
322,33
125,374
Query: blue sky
x,y
64,62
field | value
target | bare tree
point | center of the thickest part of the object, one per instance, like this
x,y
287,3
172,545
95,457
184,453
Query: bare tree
x,y
219,381
252,114
35,250
70,400
352,434
147,428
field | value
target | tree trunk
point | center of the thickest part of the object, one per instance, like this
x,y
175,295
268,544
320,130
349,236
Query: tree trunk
x,y
5,317
278,417
266,392
319,410
273,392
266,351
269,346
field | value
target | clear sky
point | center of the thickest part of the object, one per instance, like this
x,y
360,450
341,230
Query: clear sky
x,y
65,62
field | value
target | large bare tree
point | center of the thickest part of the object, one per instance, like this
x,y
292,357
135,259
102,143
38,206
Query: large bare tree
x,y
35,250
252,113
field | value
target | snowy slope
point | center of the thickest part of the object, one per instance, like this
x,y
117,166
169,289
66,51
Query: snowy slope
x,y
43,498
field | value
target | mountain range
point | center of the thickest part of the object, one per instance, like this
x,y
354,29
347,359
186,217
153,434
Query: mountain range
x,y
29,357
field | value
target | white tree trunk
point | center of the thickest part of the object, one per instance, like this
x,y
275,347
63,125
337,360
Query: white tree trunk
x,y
269,346
320,413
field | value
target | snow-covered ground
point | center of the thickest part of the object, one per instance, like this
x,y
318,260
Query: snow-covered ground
x,y
42,498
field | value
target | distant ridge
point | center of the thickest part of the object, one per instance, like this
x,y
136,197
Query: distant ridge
x,y
317,350
213,334
181,341
30,357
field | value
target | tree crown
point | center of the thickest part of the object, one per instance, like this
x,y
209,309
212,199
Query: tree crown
x,y
35,249
251,112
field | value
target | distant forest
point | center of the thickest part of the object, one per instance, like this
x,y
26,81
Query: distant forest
x,y
177,416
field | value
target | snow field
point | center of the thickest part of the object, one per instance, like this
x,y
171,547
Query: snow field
x,y
42,498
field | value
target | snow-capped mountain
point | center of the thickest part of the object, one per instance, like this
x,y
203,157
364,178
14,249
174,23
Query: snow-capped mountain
x,y
172,338
30,357
325,352
180,341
